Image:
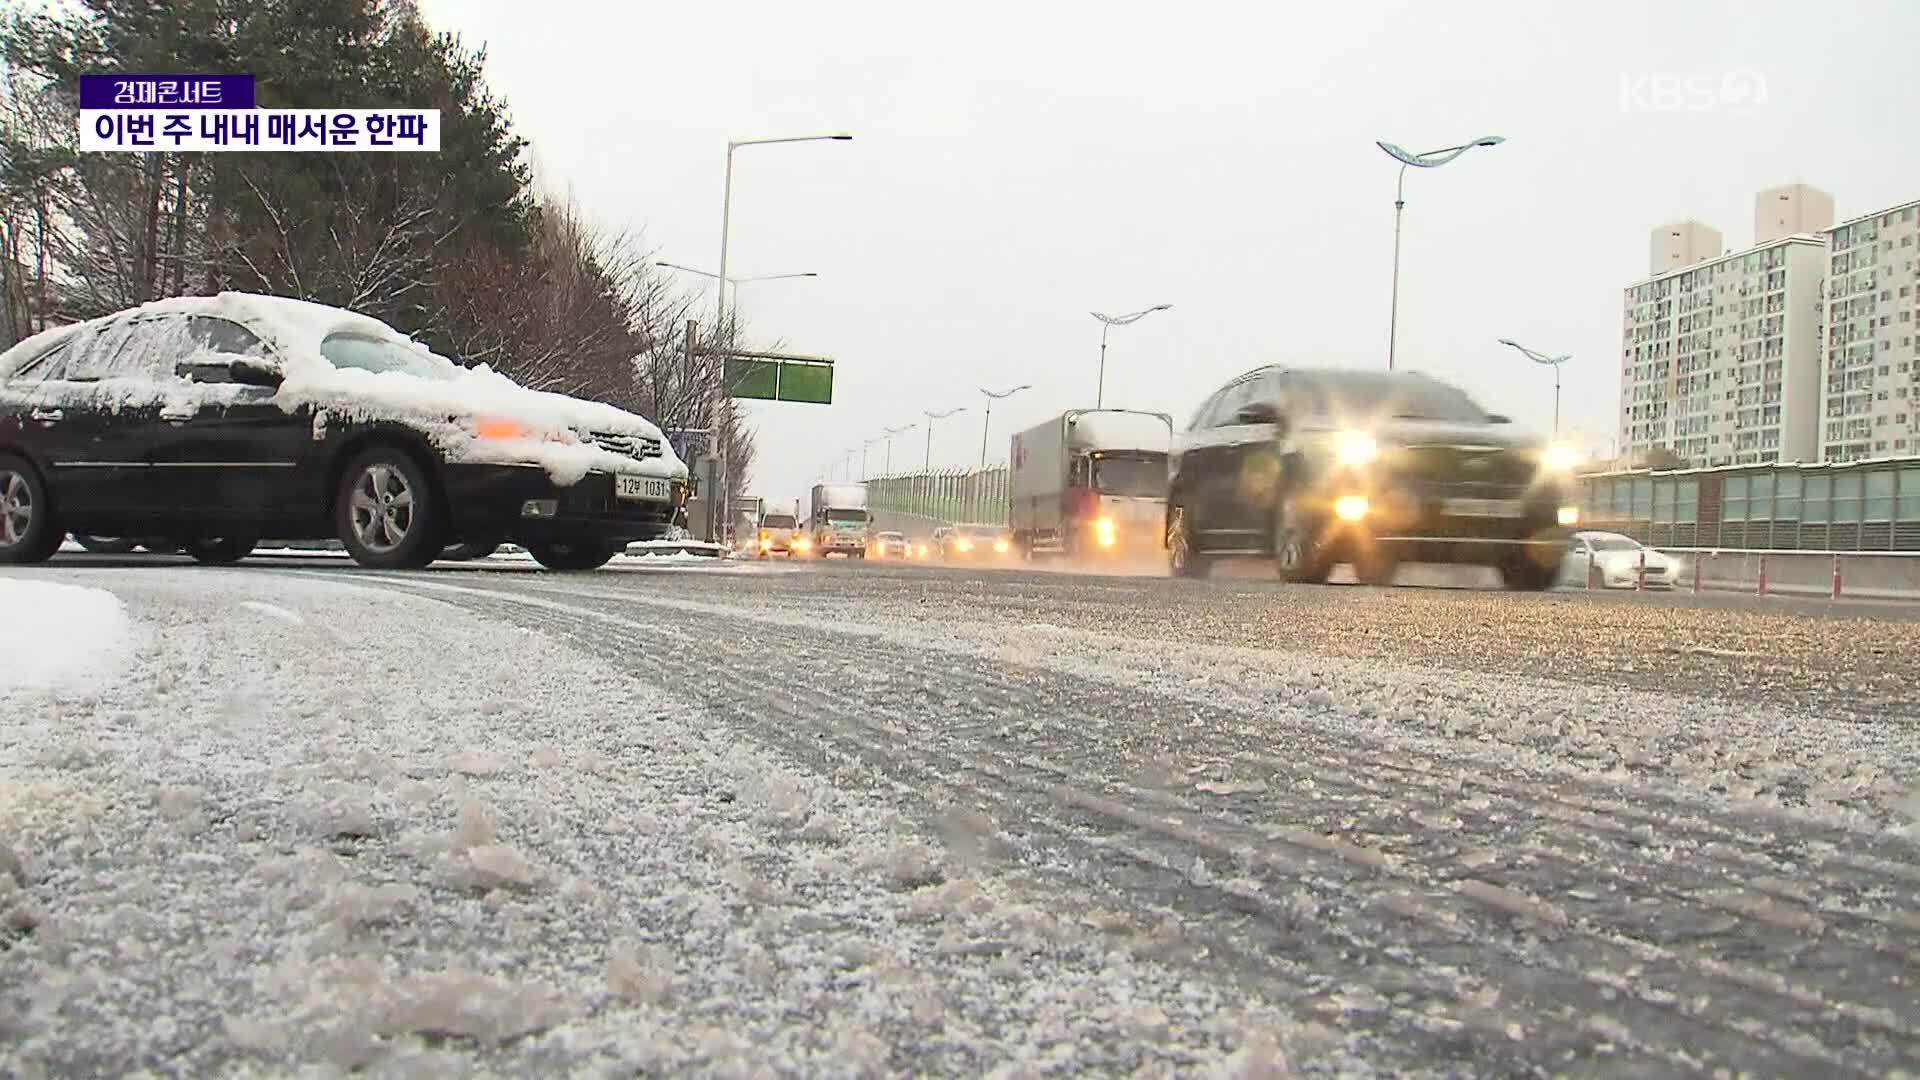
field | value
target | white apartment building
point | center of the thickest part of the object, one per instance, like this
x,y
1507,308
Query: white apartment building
x,y
1870,403
1720,359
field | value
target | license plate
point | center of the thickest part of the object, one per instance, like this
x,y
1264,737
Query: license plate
x,y
644,488
1482,508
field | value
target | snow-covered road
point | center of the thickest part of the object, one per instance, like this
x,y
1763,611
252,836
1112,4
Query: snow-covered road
x,y
837,820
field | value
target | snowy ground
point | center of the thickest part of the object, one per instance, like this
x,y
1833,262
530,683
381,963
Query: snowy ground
x,y
841,819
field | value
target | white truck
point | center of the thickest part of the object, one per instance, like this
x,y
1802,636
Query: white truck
x,y
1091,482
839,520
780,532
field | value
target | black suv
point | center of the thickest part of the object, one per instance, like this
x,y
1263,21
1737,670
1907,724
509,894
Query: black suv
x,y
213,422
1319,466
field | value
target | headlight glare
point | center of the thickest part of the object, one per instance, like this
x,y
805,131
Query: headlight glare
x,y
1357,448
1561,458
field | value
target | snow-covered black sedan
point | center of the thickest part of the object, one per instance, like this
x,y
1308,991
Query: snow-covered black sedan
x,y
216,421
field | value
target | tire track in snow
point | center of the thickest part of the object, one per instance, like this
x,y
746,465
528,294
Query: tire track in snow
x,y
1496,897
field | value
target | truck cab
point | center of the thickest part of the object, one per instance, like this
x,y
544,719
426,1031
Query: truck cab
x,y
840,521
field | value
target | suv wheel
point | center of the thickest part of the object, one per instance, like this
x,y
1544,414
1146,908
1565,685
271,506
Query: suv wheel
x,y
219,550
1183,551
386,512
568,555
28,533
1298,551
1522,574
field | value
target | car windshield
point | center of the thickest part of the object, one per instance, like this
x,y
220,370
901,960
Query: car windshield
x,y
359,352
777,521
891,536
980,532
1354,396
1130,476
1613,543
848,517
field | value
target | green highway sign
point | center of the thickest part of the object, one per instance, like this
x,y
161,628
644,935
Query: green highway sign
x,y
780,377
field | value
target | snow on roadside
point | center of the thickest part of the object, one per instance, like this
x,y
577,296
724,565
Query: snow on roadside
x,y
59,637
432,845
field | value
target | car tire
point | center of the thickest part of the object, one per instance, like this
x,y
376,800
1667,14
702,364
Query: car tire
x,y
1523,574
386,511
1375,567
219,550
106,545
1299,553
29,532
567,555
1184,556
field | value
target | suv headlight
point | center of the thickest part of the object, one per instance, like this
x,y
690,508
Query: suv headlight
x,y
1560,457
1357,448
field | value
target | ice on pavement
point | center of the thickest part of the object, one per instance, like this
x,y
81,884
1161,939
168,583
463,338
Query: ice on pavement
x,y
394,850
58,636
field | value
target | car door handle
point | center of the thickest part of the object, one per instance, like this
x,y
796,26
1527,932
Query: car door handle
x,y
49,414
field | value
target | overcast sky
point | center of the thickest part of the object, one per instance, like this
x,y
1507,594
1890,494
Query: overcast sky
x,y
1015,165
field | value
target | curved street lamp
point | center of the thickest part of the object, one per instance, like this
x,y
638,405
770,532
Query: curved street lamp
x,y
992,397
1432,159
1553,362
888,435
1108,322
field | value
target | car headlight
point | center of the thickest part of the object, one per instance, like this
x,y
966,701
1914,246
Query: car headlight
x,y
963,545
1103,531
1569,515
1357,448
1000,546
1561,458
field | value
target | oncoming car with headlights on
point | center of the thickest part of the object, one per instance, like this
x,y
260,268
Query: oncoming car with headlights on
x,y
974,543
1314,467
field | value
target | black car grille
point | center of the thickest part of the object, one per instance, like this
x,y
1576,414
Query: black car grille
x,y
1483,467
638,447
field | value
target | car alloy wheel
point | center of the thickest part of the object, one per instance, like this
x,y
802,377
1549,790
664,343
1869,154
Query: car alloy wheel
x,y
386,512
27,531
383,510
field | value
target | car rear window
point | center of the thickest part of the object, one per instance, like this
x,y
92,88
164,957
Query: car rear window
x,y
777,521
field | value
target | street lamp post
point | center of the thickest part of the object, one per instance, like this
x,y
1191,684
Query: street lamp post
x,y
1108,322
926,466
720,286
988,421
1432,159
1553,362
890,433
864,447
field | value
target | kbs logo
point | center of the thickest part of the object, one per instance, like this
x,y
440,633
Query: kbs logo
x,y
1738,92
